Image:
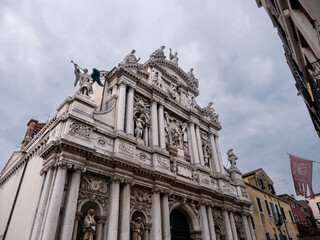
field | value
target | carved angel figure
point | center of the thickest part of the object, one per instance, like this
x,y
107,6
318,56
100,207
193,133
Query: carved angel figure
x,y
175,92
206,154
192,79
232,158
158,54
89,226
137,229
85,80
130,58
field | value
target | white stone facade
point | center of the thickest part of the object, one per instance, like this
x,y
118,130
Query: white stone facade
x,y
143,149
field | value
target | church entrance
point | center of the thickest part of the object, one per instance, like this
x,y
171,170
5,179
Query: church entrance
x,y
179,226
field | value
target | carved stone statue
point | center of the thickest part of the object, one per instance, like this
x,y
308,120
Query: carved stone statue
x,y
193,81
156,79
176,132
175,92
89,226
206,154
232,158
85,80
209,111
174,58
140,123
130,58
158,54
137,229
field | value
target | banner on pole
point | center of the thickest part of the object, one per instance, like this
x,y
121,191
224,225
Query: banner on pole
x,y
301,170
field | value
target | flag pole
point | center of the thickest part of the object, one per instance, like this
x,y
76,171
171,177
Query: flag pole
x,y
304,158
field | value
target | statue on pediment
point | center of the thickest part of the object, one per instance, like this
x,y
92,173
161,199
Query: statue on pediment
x,y
192,80
158,54
174,57
85,80
232,158
130,58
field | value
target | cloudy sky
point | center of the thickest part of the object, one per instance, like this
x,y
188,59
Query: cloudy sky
x,y
232,46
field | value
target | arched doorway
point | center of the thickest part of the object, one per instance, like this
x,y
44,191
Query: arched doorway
x,y
179,226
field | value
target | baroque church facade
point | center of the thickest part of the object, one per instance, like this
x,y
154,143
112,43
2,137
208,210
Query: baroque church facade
x,y
140,159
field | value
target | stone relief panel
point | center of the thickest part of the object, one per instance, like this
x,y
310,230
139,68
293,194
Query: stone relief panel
x,y
140,200
163,162
244,192
94,189
80,130
143,157
204,178
214,183
239,226
218,221
126,148
184,171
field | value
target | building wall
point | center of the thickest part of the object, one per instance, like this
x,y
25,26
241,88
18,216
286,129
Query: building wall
x,y
265,222
315,206
7,194
25,203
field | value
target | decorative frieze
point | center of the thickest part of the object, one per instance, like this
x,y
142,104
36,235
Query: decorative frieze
x,y
126,148
164,162
140,200
184,171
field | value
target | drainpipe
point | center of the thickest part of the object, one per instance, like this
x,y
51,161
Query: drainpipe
x,y
15,199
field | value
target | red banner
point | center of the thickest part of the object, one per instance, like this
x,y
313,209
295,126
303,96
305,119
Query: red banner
x,y
301,170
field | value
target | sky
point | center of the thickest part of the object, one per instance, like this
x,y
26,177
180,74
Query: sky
x,y
232,46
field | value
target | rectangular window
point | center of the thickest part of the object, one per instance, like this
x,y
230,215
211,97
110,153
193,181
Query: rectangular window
x,y
273,212
259,205
282,212
268,236
277,208
291,216
275,236
267,206
252,221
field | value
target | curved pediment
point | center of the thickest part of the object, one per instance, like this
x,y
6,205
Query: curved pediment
x,y
174,74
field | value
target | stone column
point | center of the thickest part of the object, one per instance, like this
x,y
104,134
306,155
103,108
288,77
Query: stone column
x,y
51,222
253,236
211,223
75,229
194,144
125,212
204,222
156,233
114,210
71,206
154,123
227,226
246,227
215,157
129,111
100,229
233,226
199,142
216,140
42,205
121,107
146,136
165,217
161,127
